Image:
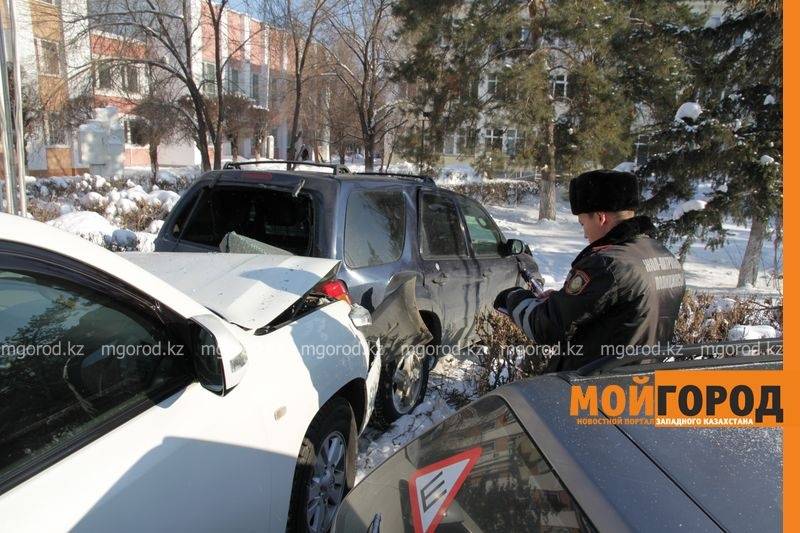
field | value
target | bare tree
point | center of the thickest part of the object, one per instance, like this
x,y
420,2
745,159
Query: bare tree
x,y
301,20
242,118
157,121
160,34
363,57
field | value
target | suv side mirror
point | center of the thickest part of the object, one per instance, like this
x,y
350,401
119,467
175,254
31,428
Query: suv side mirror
x,y
514,247
219,357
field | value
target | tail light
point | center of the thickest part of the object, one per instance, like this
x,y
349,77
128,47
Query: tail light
x,y
335,289
325,292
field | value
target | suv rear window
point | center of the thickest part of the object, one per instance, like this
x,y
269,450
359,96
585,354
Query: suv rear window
x,y
375,228
270,216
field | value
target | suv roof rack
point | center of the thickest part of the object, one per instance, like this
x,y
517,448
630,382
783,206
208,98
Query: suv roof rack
x,y
691,351
337,169
426,179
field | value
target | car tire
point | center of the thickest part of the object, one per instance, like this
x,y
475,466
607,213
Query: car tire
x,y
316,479
387,409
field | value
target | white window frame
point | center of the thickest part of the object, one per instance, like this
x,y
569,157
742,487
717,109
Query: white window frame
x,y
233,84
510,143
255,88
490,135
492,83
40,63
558,85
48,132
642,141
209,82
126,68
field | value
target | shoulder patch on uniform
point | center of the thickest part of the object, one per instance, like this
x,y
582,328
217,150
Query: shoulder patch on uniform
x,y
576,282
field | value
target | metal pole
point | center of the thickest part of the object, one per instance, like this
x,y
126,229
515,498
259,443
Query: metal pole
x,y
6,127
18,128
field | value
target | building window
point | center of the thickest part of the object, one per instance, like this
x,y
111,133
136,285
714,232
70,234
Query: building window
x,y
494,140
130,78
460,142
134,131
56,133
104,76
491,84
558,86
233,80
273,89
642,146
49,57
449,147
209,79
255,89
511,142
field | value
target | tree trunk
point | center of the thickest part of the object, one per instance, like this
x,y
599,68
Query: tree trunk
x,y
748,271
201,132
369,152
547,195
234,147
154,160
291,153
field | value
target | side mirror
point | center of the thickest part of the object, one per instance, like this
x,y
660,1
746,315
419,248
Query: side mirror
x,y
514,247
219,357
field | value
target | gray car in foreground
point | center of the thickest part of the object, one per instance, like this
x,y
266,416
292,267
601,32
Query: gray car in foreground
x,y
515,460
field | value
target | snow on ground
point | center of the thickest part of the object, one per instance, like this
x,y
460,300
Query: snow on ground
x,y
450,374
556,243
690,110
87,224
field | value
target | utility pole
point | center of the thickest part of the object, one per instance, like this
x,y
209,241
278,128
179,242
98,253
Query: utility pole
x,y
11,115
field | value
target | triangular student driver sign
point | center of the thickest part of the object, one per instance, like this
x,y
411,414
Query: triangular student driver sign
x,y
433,488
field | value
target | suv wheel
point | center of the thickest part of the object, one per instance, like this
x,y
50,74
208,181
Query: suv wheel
x,y
325,470
402,387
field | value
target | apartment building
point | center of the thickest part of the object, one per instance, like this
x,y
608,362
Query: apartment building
x,y
63,63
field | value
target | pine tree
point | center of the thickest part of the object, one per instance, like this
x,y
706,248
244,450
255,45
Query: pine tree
x,y
585,125
735,143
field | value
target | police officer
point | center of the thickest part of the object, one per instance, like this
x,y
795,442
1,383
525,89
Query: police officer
x,y
624,289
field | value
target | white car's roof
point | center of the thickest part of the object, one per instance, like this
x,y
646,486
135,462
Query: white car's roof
x,y
25,231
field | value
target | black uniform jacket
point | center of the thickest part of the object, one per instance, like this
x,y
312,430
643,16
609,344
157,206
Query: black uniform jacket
x,y
624,289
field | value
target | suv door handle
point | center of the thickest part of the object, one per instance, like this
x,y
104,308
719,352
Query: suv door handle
x,y
441,279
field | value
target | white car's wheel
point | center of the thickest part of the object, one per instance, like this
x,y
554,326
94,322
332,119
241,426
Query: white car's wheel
x,y
325,469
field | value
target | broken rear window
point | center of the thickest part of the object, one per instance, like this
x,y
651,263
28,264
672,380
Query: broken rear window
x,y
270,216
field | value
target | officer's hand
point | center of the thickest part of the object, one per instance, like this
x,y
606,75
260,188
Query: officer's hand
x,y
500,300
509,298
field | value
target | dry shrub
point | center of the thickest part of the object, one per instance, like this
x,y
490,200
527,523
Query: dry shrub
x,y
498,193
504,353
709,317
140,219
43,211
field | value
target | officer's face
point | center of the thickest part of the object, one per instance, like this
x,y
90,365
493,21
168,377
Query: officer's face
x,y
594,225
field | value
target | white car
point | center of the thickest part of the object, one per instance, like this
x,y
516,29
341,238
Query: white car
x,y
174,392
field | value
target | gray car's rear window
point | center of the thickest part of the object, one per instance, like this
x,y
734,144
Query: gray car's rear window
x,y
270,216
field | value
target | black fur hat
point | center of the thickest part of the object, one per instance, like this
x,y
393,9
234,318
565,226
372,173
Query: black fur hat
x,y
603,190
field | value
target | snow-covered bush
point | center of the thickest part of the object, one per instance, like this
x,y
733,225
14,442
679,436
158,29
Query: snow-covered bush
x,y
505,192
504,353
713,318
